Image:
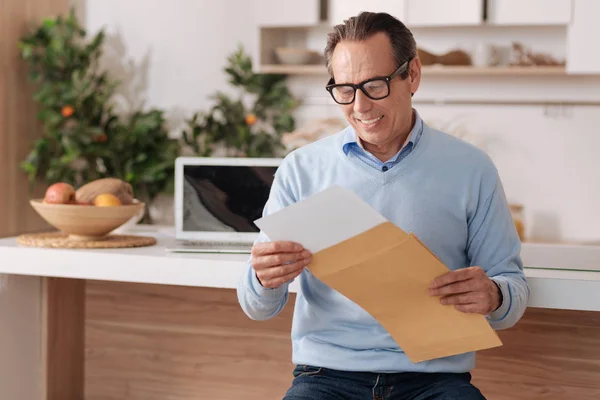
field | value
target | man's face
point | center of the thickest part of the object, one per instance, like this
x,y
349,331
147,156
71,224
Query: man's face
x,y
377,122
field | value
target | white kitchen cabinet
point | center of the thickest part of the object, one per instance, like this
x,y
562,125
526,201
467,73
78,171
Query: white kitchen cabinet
x,y
339,10
443,12
282,13
582,56
529,12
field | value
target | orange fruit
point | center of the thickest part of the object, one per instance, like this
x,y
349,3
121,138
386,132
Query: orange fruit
x,y
107,200
67,111
250,119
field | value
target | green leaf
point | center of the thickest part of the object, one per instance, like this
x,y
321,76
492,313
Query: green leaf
x,y
49,23
130,177
26,51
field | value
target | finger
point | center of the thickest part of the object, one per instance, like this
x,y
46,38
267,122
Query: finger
x,y
261,249
471,285
276,282
276,260
472,308
454,276
282,270
464,298
477,284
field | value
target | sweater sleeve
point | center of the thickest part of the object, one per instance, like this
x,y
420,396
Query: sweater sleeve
x,y
258,302
495,246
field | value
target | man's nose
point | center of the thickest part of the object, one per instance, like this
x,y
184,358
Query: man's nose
x,y
362,102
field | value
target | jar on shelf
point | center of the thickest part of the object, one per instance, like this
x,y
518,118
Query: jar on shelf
x,y
518,218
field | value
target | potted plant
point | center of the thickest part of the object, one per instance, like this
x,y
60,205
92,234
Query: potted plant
x,y
247,125
83,136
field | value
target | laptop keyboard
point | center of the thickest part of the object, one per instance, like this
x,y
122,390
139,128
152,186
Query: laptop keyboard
x,y
216,245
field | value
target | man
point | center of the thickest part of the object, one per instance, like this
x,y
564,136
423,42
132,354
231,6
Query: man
x,y
444,190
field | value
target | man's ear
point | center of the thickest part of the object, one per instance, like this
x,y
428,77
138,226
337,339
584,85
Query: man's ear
x,y
414,73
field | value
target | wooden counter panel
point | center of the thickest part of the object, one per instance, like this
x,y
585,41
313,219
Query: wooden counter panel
x,y
152,342
178,306
549,355
155,342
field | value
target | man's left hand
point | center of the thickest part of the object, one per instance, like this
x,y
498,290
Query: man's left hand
x,y
470,290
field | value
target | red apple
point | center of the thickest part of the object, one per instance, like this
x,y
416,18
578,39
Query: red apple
x,y
60,193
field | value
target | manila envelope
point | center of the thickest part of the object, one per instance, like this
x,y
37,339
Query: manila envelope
x,y
387,272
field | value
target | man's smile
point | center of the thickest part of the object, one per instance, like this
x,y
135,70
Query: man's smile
x,y
371,121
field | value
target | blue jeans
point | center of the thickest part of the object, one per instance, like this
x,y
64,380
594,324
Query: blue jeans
x,y
314,383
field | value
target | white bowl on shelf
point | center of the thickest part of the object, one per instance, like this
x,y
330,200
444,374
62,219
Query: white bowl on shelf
x,y
295,56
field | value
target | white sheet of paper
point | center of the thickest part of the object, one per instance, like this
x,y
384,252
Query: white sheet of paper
x,y
321,220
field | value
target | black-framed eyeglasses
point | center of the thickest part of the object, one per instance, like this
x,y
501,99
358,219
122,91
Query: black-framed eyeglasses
x,y
376,88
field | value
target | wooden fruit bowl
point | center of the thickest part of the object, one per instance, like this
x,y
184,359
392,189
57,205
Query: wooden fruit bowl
x,y
83,222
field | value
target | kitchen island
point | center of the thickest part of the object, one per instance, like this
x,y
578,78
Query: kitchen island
x,y
145,323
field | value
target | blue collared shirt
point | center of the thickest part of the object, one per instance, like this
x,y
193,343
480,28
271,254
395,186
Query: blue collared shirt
x,y
350,144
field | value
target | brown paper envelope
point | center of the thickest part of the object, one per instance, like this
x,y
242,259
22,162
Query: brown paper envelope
x,y
390,282
356,249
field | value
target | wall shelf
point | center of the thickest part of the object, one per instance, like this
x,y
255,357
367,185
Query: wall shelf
x,y
497,71
560,28
434,70
293,69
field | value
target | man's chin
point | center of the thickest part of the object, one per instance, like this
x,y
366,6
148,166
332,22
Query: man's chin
x,y
372,132
373,138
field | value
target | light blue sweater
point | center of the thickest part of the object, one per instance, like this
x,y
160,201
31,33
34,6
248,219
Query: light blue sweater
x,y
442,189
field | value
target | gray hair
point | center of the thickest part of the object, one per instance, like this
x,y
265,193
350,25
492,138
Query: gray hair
x,y
367,24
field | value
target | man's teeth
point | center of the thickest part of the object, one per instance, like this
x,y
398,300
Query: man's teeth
x,y
370,121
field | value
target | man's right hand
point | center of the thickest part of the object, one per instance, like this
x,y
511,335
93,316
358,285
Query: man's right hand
x,y
276,263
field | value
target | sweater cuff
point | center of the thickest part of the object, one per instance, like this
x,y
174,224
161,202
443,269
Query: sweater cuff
x,y
261,291
504,308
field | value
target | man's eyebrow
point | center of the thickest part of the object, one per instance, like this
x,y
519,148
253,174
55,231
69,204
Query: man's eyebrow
x,y
352,83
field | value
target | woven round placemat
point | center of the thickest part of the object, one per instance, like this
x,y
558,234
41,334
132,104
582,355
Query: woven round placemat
x,y
62,240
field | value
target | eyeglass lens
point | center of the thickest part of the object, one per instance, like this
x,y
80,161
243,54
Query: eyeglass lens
x,y
376,89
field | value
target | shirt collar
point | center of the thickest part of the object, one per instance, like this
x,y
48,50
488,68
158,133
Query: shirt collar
x,y
351,139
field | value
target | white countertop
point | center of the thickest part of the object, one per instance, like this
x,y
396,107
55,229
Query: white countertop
x,y
576,286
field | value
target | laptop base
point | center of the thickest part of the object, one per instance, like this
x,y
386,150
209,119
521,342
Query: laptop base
x,y
185,246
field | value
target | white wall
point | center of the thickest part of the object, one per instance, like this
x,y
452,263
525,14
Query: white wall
x,y
171,53
546,155
547,162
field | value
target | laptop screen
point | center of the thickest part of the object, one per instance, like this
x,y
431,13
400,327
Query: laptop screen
x,y
224,198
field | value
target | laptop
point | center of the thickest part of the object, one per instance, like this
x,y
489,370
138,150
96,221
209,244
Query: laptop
x,y
217,201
